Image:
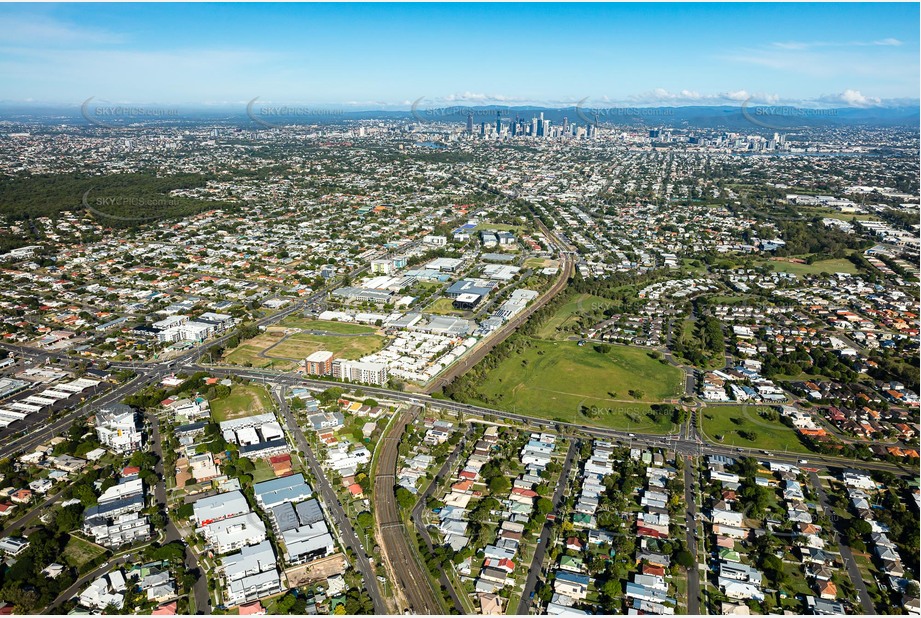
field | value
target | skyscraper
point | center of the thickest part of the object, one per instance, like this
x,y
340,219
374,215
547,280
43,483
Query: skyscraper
x,y
498,122
469,123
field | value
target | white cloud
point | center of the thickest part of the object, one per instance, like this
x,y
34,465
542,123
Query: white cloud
x,y
852,98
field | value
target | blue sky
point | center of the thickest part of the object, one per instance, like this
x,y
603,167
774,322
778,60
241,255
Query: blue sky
x,y
372,56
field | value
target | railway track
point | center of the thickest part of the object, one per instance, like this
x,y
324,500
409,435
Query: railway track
x,y
479,353
411,581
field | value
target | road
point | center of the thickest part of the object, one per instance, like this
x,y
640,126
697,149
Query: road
x,y
200,589
486,346
332,503
686,446
34,511
82,581
866,602
691,535
410,578
419,522
530,584
39,430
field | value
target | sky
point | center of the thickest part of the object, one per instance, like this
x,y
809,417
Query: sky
x,y
380,56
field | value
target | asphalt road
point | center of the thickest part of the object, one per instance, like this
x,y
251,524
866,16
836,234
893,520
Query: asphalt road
x,y
530,584
866,602
200,589
332,504
685,446
691,536
448,466
412,581
82,581
34,512
486,346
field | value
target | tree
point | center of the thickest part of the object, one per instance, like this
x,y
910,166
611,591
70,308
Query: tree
x,y
365,520
405,498
543,506
684,559
499,485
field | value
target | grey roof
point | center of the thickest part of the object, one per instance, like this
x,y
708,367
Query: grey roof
x,y
284,516
309,512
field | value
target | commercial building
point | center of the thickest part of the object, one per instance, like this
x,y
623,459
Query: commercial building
x,y
117,428
359,371
320,363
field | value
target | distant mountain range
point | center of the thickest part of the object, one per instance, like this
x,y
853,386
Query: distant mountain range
x,y
732,118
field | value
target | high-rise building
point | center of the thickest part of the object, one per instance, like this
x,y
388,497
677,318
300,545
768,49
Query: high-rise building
x,y
533,127
498,122
540,125
469,123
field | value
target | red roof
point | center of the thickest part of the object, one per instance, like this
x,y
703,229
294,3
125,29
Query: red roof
x,y
251,609
355,489
467,474
130,470
527,493
651,569
167,609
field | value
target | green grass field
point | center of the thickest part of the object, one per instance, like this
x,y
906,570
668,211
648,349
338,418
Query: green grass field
x,y
299,346
243,400
496,227
263,471
444,306
579,303
728,421
555,379
78,551
535,262
345,328
278,350
822,266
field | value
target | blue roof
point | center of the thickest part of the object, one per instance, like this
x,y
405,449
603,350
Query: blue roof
x,y
575,578
278,484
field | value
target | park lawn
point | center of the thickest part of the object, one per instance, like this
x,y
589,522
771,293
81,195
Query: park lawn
x,y
444,306
577,304
247,353
243,400
822,266
554,380
497,227
79,551
771,435
830,213
300,345
536,262
329,326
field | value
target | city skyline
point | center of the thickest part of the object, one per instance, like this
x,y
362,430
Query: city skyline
x,y
852,55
